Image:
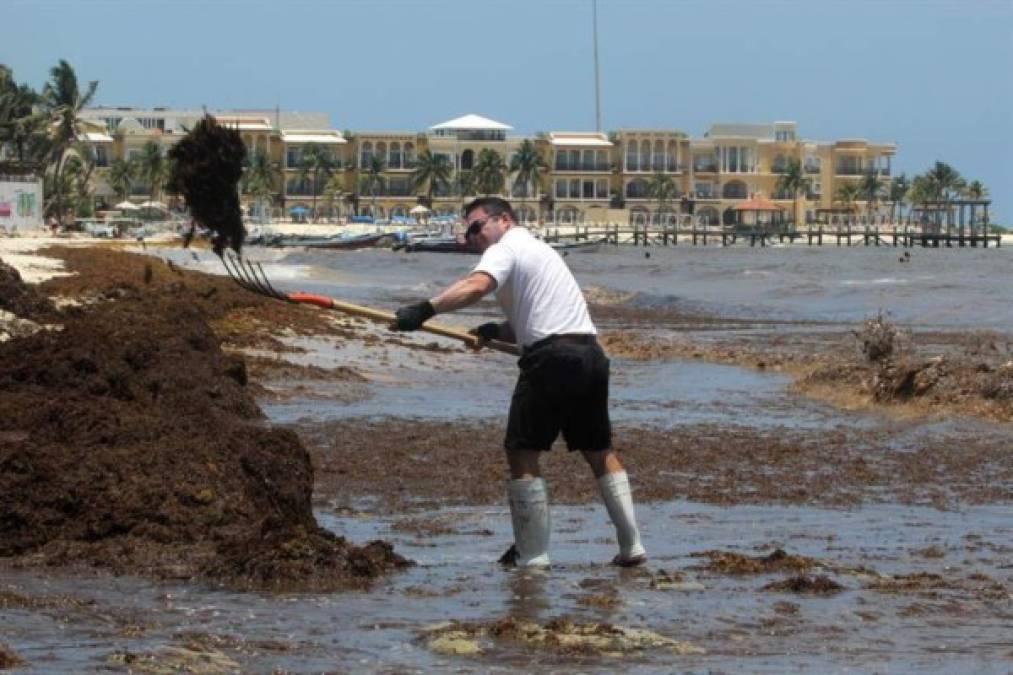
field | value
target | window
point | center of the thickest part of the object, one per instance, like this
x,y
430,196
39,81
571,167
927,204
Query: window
x,y
395,156
562,160
659,156
703,190
293,155
636,189
588,192
632,157
574,188
365,153
645,155
101,156
560,189
601,189
467,160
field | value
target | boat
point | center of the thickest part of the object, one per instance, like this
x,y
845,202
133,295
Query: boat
x,y
341,242
442,245
575,246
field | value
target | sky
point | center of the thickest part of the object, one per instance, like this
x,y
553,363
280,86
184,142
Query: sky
x,y
932,76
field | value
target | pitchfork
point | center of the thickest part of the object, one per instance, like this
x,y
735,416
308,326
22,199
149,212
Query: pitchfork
x,y
251,276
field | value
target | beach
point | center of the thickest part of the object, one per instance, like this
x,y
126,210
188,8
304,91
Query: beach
x,y
804,507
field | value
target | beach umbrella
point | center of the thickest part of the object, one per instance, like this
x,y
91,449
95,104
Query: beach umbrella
x,y
419,210
298,210
154,205
127,206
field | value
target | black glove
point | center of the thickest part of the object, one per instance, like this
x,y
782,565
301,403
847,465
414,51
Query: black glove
x,y
487,331
411,317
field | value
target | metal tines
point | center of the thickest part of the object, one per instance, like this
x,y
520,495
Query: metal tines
x,y
250,275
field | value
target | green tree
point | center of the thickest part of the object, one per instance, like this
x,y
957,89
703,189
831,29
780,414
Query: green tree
x,y
975,190
334,190
372,180
898,190
316,165
870,190
527,166
793,181
121,176
22,127
847,195
490,172
432,171
465,183
260,175
63,102
662,188
153,168
944,182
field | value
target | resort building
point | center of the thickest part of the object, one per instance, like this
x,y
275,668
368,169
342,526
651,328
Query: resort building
x,y
627,176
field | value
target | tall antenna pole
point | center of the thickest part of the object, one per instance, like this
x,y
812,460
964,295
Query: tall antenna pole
x,y
597,80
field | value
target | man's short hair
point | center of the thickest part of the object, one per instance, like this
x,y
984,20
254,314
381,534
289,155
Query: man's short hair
x,y
493,206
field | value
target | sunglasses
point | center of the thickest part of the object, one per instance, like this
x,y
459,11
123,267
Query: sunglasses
x,y
476,225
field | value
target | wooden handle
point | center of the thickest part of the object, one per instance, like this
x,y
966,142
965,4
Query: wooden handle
x,y
388,318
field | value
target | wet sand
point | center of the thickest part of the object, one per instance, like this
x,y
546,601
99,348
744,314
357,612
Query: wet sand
x,y
895,530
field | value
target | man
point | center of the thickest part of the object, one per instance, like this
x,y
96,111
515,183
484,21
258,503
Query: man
x,y
563,383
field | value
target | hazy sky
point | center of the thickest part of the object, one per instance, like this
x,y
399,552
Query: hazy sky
x,y
935,77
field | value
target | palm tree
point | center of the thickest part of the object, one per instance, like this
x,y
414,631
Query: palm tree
x,y
793,180
899,187
465,183
372,181
259,177
153,168
945,182
527,166
661,187
490,172
317,164
433,171
63,101
870,190
121,176
22,128
846,195
334,190
975,190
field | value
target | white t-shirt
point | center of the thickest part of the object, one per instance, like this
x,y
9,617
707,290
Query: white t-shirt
x,y
535,288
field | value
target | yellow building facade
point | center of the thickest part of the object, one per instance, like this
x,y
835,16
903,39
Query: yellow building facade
x,y
634,175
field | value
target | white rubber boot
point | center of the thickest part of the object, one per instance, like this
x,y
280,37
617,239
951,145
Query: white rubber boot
x,y
529,513
615,491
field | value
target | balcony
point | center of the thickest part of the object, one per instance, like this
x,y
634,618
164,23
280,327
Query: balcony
x,y
582,166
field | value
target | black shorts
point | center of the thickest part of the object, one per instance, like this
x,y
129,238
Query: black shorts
x,y
563,387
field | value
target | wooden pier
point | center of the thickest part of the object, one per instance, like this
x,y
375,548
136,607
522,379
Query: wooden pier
x,y
869,235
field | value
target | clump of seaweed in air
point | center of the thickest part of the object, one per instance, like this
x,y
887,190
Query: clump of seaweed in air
x,y
206,168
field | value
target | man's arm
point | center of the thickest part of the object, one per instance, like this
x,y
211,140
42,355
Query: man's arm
x,y
461,293
464,292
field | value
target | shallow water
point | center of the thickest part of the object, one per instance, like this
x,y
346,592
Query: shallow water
x,y
741,627
938,287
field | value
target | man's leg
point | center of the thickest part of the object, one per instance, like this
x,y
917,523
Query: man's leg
x,y
529,511
618,498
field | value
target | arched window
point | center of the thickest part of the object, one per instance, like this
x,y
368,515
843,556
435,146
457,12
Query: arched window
x,y
636,189
780,164
645,155
659,156
570,215
365,153
734,189
639,216
409,155
672,160
632,159
381,151
395,156
728,218
708,215
467,160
